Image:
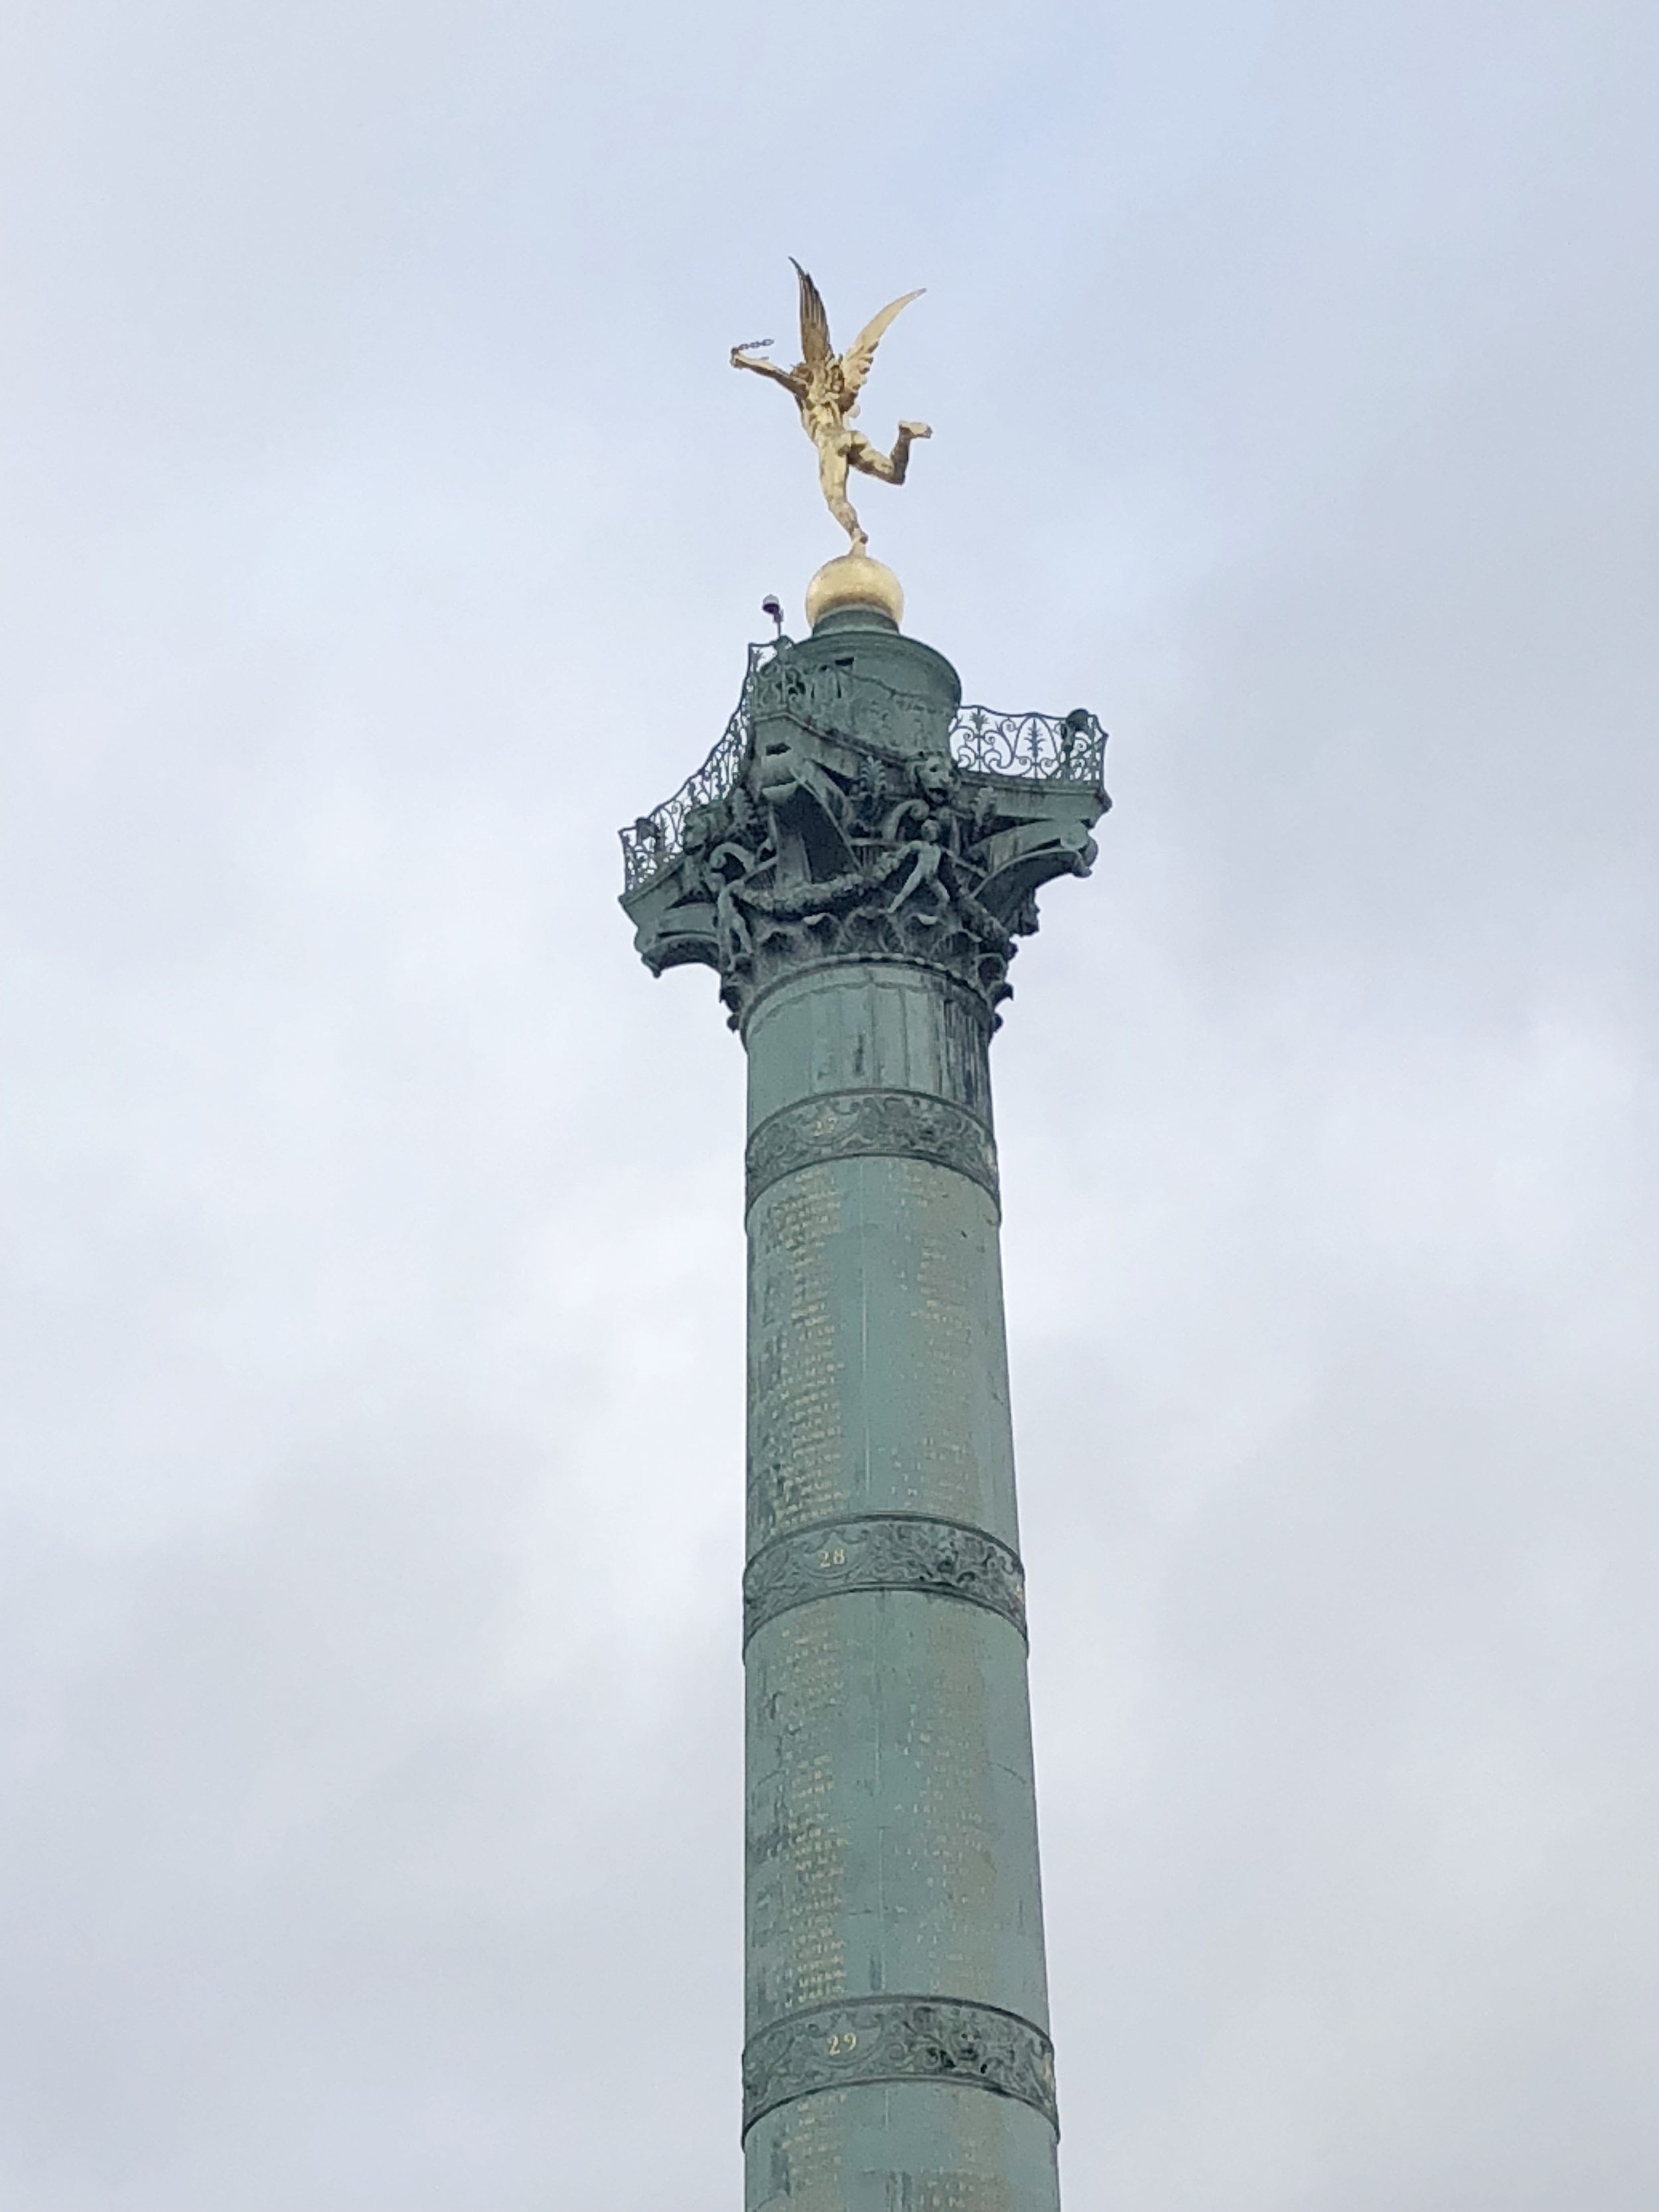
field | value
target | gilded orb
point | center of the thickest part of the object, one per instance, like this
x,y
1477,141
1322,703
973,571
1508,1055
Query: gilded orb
x,y
853,580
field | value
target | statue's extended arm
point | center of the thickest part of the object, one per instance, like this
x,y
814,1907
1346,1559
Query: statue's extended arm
x,y
742,360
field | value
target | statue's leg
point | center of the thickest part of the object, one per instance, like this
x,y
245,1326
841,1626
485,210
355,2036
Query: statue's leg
x,y
889,467
904,890
923,877
832,476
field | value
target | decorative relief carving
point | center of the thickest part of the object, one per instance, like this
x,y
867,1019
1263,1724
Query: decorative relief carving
x,y
1030,748
883,1551
874,2040
831,823
846,1125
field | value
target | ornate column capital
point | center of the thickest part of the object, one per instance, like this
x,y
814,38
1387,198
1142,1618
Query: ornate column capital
x,y
843,817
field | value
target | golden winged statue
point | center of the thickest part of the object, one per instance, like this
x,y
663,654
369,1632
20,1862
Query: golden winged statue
x,y
825,386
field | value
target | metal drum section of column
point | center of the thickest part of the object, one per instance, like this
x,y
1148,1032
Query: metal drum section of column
x,y
896,2002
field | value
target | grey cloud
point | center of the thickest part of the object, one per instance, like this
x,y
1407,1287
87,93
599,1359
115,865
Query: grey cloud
x,y
387,528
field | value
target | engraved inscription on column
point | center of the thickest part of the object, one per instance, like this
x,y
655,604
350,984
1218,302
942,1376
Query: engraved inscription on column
x,y
795,1443
952,1367
873,1285
797,1845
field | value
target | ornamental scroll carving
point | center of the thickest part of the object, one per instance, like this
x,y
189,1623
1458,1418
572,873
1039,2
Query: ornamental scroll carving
x,y
832,823
846,1125
883,1551
874,2039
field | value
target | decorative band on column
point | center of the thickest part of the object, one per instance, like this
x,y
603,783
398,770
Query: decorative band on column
x,y
882,1551
863,2041
849,1124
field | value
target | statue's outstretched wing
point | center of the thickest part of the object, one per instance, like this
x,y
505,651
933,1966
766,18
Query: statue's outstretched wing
x,y
814,323
856,360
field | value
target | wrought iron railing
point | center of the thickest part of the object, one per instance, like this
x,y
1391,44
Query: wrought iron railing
x,y
649,844
1030,748
1036,748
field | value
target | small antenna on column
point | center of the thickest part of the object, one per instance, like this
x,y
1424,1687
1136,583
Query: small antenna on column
x,y
773,605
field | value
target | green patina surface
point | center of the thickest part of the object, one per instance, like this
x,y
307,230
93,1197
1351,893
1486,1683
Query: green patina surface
x,y
859,888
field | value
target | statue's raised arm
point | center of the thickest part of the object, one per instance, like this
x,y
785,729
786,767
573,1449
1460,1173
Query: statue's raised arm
x,y
746,357
825,386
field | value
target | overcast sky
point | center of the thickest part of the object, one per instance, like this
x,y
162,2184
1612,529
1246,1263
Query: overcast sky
x,y
384,526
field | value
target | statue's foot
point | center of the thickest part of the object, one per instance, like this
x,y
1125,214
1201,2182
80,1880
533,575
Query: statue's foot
x,y
915,429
